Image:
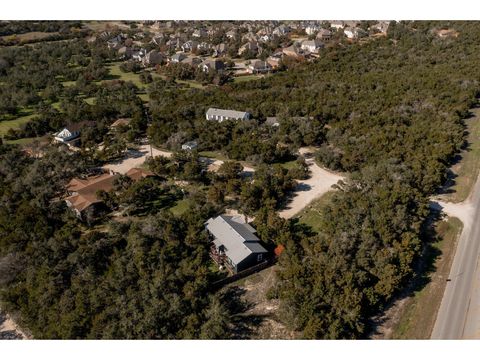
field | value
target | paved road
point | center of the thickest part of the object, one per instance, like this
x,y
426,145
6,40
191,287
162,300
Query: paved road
x,y
459,313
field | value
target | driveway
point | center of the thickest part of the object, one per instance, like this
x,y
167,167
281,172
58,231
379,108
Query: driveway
x,y
135,158
320,182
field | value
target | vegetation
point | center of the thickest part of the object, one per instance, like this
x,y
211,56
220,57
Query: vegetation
x,y
391,112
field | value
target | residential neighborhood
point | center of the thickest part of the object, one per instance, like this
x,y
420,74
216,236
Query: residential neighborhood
x,y
239,179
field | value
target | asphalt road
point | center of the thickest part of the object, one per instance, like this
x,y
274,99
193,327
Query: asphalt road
x,y
459,313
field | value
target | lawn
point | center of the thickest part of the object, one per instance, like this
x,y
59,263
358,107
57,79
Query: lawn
x,y
288,165
312,214
244,78
180,207
116,73
23,141
213,155
418,316
13,124
191,83
34,35
466,170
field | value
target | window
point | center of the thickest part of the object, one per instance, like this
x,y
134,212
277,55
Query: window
x,y
259,257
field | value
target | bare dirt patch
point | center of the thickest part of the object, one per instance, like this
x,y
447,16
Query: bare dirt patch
x,y
9,330
253,291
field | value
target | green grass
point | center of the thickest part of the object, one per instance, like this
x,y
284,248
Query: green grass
x,y
23,141
247,78
288,165
116,73
418,317
90,100
213,155
144,97
191,83
180,207
312,213
467,169
14,124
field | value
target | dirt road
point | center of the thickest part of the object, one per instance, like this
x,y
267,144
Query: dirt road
x,y
318,184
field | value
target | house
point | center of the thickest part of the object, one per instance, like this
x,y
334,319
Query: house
x,y
189,46
204,46
152,58
71,133
125,52
354,33
83,198
312,46
292,51
190,145
178,57
193,61
220,49
115,43
215,65
139,55
198,33
312,29
281,30
174,43
337,25
157,39
138,173
258,67
252,46
123,122
234,243
324,35
382,26
221,115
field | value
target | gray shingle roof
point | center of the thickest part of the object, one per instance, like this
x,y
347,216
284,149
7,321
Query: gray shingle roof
x,y
237,238
227,113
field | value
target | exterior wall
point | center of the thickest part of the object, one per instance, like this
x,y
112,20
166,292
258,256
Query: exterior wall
x,y
248,262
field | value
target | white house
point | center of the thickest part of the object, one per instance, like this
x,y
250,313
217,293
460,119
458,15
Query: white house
x,y
312,29
190,145
67,134
312,45
259,67
221,115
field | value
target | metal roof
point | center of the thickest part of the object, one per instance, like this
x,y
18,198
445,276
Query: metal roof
x,y
233,114
237,237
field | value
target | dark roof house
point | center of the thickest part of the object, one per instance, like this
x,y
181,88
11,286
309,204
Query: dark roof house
x,y
235,242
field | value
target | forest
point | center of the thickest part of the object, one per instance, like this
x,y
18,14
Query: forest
x,y
390,112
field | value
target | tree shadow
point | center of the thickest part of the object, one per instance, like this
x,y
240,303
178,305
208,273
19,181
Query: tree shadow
x,y
243,325
423,270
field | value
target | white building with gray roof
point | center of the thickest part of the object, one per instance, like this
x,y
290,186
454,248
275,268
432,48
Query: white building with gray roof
x,y
235,242
221,115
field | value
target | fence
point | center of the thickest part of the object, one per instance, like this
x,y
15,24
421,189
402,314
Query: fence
x,y
240,275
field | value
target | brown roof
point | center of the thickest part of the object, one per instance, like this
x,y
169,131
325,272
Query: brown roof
x,y
137,173
85,190
121,122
